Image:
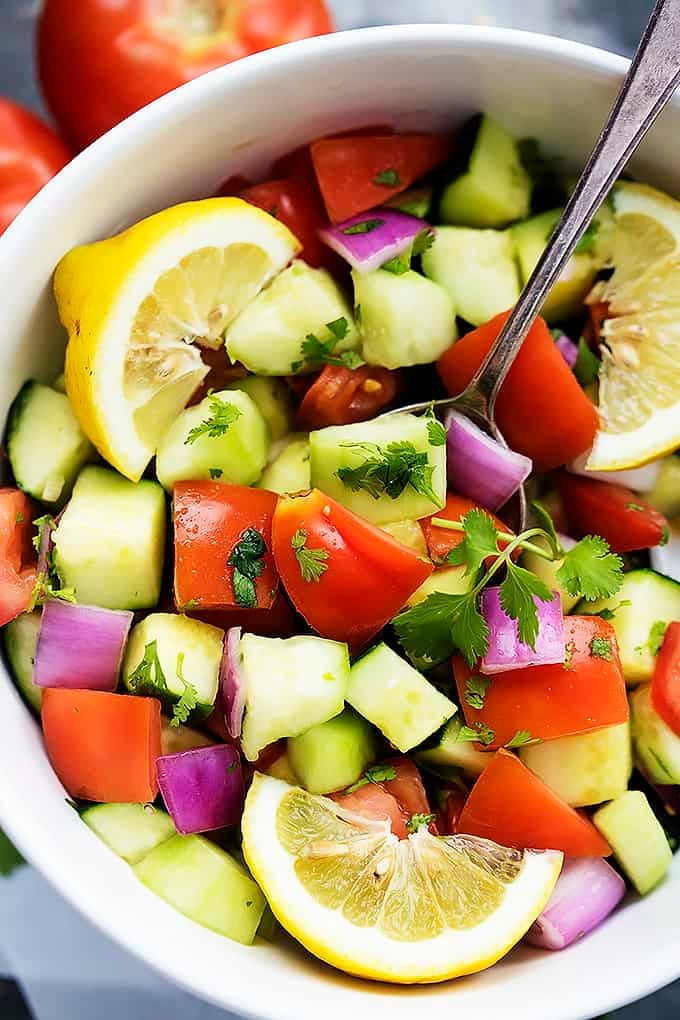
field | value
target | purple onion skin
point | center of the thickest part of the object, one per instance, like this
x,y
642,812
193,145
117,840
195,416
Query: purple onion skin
x,y
367,251
232,684
506,651
203,789
479,467
567,349
80,647
586,893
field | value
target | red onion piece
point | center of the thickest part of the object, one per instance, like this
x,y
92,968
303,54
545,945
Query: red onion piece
x,y
80,647
641,479
393,234
233,683
567,348
45,548
586,893
479,467
506,651
202,789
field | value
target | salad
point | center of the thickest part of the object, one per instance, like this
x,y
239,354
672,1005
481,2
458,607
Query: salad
x,y
297,657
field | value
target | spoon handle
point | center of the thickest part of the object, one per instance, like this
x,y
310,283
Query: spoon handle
x,y
653,76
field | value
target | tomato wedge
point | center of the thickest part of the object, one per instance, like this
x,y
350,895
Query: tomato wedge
x,y
374,802
358,172
364,576
440,541
511,806
666,679
586,693
103,746
278,621
541,409
617,514
407,786
342,396
17,556
300,208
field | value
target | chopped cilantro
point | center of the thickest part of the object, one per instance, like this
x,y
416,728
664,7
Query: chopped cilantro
x,y
376,774
216,473
569,650
247,560
399,265
635,506
601,648
423,241
222,415
19,519
47,582
191,604
416,821
148,676
357,313
587,364
364,227
521,739
389,178
312,562
519,591
389,470
657,633
189,699
475,690
479,731
315,352
665,535
436,433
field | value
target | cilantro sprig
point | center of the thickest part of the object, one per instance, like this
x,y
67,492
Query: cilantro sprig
x,y
315,352
247,559
416,821
222,416
189,699
312,562
376,774
148,677
47,582
389,470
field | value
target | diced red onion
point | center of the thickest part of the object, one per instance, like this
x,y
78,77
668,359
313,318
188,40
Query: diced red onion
x,y
641,479
80,647
232,683
586,893
506,651
479,467
202,789
567,348
393,234
45,548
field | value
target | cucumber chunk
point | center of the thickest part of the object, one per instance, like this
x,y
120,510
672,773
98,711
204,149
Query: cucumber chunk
x,y
477,268
272,399
351,446
289,470
205,884
334,754
405,319
653,600
586,768
131,830
396,698
109,544
267,336
495,189
657,747
291,685
235,453
449,580
635,835
21,638
410,534
450,752
547,571
46,445
665,495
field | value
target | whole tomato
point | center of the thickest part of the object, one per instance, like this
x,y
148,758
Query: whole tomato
x,y
30,153
100,61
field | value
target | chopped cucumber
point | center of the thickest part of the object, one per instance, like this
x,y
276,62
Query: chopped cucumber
x,y
21,638
406,319
189,653
494,189
477,268
333,754
396,698
234,451
175,739
547,570
353,446
205,884
272,399
46,445
109,544
410,534
291,685
665,495
288,471
268,335
657,747
645,601
415,202
586,768
577,278
131,830
449,580
635,835
450,752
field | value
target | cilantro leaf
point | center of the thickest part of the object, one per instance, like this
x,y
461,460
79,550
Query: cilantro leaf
x,y
416,821
148,676
436,433
601,648
19,519
311,561
389,470
47,582
389,178
519,591
521,739
376,774
481,539
423,241
589,238
657,633
424,630
222,416
590,570
569,650
399,265
479,731
189,699
247,559
365,227
317,352
587,364
338,327
469,629
216,473
475,690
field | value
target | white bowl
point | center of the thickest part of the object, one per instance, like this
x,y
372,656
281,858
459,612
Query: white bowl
x,y
238,119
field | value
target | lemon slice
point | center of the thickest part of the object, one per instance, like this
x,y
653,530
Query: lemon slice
x,y
139,306
639,391
418,910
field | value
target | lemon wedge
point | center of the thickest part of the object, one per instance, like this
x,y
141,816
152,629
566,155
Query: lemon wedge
x,y
418,910
139,306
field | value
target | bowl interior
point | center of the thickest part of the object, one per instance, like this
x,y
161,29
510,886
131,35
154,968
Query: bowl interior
x,y
237,120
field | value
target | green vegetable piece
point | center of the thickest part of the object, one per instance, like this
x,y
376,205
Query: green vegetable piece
x,y
334,754
637,839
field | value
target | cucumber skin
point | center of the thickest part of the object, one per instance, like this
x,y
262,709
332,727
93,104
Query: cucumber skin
x,y
21,639
637,839
657,747
130,830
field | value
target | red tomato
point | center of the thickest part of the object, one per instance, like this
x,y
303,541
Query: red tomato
x,y
279,621
210,520
17,556
30,154
373,801
511,806
586,693
598,508
341,396
103,746
347,168
541,409
368,576
666,679
448,815
440,541
300,208
407,786
120,56
597,313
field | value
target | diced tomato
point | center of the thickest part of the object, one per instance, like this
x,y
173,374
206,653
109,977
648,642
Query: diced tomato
x,y
210,520
598,311
278,621
511,806
408,789
541,409
666,679
617,514
341,396
367,575
103,746
453,802
349,168
373,801
586,693
440,541
17,555
300,208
